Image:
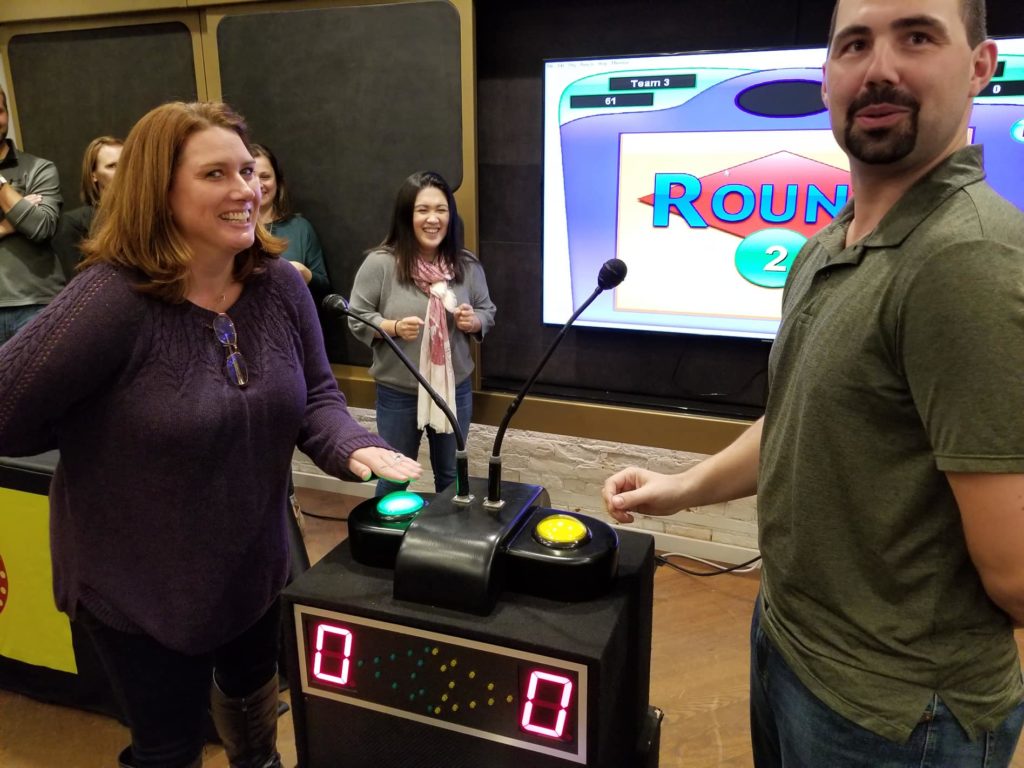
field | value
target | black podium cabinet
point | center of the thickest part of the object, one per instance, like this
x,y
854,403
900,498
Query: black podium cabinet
x,y
381,682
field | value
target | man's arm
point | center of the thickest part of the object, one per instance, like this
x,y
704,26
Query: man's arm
x,y
38,221
992,510
729,474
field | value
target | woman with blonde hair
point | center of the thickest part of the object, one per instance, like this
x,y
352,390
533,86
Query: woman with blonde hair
x,y
98,166
175,375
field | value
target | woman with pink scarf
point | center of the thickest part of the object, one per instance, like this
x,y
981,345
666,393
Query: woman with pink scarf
x,y
430,294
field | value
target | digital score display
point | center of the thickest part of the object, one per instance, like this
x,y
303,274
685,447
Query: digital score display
x,y
532,702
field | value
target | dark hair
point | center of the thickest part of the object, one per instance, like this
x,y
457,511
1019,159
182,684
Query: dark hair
x,y
972,13
401,239
282,202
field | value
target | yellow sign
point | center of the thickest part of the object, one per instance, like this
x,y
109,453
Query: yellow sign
x,y
32,630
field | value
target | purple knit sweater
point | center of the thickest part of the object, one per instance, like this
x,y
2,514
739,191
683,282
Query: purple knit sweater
x,y
168,504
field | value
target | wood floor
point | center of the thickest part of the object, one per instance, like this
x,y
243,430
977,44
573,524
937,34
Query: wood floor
x,y
699,677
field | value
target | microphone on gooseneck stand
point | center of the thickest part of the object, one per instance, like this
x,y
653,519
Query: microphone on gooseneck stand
x,y
338,305
612,273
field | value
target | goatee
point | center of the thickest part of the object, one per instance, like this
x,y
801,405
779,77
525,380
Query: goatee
x,y
882,145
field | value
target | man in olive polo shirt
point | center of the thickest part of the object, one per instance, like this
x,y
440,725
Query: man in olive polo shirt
x,y
889,465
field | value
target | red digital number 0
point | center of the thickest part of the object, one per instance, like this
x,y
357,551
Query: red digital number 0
x,y
335,657
547,704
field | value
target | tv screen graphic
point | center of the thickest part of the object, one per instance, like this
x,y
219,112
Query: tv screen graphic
x,y
706,173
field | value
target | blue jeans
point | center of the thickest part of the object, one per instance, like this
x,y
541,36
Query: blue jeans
x,y
13,318
791,728
396,423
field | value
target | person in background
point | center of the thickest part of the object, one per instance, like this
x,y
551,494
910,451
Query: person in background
x,y
276,214
429,293
98,166
30,202
175,374
889,464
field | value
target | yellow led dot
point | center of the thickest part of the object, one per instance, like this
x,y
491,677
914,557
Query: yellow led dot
x,y
454,662
561,532
444,667
437,710
434,652
490,686
472,705
472,675
451,684
455,707
444,697
490,702
508,698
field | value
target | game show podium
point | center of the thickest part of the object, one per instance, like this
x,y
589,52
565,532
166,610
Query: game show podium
x,y
378,681
42,653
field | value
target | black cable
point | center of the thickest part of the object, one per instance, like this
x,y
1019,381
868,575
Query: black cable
x,y
324,517
662,560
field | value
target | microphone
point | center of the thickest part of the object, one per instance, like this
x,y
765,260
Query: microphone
x,y
612,273
339,305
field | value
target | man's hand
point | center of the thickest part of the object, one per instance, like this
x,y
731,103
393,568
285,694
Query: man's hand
x,y
639,491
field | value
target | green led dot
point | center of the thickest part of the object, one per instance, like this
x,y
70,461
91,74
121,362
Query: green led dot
x,y
412,676
376,659
394,687
412,697
400,505
419,662
377,674
423,691
359,663
409,652
426,649
393,657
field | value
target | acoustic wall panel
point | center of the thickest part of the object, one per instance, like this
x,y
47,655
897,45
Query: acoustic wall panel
x,y
351,100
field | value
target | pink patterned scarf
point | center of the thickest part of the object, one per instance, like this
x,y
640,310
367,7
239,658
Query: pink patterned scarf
x,y
436,350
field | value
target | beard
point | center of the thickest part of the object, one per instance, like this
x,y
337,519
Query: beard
x,y
882,145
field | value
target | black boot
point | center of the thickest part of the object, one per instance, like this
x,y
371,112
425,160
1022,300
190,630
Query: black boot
x,y
248,726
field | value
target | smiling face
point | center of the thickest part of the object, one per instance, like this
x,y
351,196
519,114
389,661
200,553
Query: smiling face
x,y
268,185
215,194
105,166
899,80
430,220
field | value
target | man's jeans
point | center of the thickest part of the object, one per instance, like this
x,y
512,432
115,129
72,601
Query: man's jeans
x,y
791,728
13,318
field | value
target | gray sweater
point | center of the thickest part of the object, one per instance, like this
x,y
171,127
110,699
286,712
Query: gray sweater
x,y
29,270
377,295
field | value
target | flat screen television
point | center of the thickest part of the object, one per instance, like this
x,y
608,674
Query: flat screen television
x,y
705,173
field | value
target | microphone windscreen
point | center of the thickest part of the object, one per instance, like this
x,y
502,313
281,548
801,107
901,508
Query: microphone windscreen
x,y
335,304
612,273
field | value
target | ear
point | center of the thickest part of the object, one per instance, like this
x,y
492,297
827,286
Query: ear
x,y
824,87
983,66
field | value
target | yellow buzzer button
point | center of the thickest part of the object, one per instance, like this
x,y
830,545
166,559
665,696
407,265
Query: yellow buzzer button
x,y
561,532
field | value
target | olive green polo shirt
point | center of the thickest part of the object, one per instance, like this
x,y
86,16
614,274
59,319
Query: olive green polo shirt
x,y
898,359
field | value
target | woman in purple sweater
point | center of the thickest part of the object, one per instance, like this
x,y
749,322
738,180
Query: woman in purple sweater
x,y
176,375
